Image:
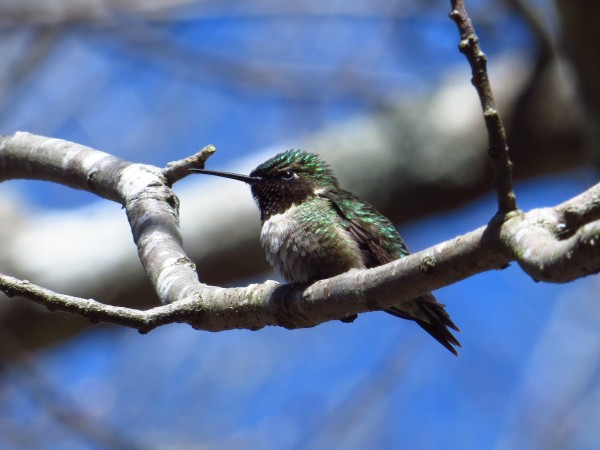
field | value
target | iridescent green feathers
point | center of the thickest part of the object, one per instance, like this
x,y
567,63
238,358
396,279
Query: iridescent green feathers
x,y
373,232
300,162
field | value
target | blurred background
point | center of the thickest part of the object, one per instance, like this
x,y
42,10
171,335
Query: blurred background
x,y
377,88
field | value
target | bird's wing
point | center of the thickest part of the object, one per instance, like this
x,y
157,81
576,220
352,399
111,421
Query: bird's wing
x,y
375,234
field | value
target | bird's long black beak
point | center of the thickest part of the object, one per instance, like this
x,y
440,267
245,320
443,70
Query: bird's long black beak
x,y
233,176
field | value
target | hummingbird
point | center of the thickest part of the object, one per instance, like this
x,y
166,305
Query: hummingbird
x,y
313,229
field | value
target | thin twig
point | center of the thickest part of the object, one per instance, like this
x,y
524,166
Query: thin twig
x,y
498,146
176,170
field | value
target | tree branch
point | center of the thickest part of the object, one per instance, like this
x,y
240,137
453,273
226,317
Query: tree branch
x,y
535,240
498,145
151,206
551,244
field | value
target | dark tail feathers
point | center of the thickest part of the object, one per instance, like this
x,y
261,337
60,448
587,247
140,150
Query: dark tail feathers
x,y
432,317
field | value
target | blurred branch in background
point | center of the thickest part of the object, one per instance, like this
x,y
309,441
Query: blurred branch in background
x,y
580,36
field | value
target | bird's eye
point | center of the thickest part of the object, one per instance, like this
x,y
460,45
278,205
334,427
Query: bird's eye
x,y
287,175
